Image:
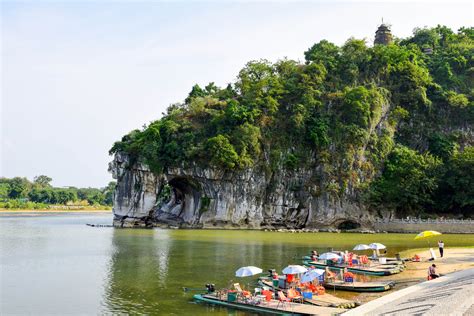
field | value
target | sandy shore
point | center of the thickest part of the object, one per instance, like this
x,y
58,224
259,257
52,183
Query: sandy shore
x,y
455,259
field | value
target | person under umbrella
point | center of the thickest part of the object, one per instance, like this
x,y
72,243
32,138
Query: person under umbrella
x,y
427,234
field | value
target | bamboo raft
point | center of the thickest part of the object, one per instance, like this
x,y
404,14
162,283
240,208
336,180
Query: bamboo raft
x,y
360,286
377,270
325,300
271,307
391,262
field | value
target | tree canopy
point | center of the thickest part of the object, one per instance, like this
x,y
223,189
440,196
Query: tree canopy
x,y
41,191
372,116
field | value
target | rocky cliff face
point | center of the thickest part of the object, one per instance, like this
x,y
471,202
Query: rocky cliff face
x,y
208,198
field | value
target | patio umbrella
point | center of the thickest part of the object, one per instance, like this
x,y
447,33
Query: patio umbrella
x,y
361,247
311,275
376,246
247,271
329,256
427,234
294,269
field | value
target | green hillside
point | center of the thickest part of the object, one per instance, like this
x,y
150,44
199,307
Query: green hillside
x,y
391,123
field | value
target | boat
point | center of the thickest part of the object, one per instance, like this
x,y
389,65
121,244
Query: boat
x,y
326,300
376,270
271,307
391,259
360,286
389,262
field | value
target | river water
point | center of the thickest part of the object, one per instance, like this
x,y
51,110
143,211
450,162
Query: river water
x,y
55,264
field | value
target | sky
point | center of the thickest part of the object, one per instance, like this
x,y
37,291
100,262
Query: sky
x,y
77,76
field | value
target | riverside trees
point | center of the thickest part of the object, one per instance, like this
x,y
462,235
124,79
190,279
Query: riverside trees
x,y
18,190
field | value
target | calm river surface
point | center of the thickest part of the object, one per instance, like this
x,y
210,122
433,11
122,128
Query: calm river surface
x,y
55,264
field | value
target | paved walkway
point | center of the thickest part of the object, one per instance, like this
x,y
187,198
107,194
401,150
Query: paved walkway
x,y
452,294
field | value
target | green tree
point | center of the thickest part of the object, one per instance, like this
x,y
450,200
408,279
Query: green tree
x,y
196,91
325,53
42,181
19,188
456,192
108,192
407,182
4,190
222,152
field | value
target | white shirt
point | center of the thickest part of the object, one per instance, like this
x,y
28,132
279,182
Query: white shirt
x,y
441,244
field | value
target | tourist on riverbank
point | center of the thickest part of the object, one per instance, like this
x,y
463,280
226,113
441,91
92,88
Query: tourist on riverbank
x,y
432,272
441,248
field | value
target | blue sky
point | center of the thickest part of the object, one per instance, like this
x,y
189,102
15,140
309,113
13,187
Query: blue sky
x,y
75,77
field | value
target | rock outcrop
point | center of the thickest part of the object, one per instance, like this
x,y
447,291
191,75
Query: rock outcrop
x,y
208,198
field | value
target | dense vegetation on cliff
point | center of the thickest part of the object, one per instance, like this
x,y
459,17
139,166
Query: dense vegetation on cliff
x,y
391,124
20,193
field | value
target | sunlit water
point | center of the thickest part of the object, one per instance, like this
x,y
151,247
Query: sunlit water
x,y
55,264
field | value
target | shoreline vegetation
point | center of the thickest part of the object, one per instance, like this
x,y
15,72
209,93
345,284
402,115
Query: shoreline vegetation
x,y
20,194
59,210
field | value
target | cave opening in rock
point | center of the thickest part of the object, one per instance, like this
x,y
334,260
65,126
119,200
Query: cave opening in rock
x,y
348,225
182,191
184,196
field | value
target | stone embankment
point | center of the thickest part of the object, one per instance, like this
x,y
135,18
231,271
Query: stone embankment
x,y
415,225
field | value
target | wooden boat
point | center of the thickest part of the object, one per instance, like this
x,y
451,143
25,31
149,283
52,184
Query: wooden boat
x,y
360,286
271,307
326,300
372,270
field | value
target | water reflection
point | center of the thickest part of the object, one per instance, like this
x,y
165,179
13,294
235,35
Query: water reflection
x,y
149,268
137,271
58,265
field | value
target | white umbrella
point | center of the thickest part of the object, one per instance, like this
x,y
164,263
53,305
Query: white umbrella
x,y
247,271
329,256
311,275
294,269
377,246
361,247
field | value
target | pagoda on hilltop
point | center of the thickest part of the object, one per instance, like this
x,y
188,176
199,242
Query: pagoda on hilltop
x,y
383,35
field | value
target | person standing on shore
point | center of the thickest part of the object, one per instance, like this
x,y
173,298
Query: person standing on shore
x,y
441,248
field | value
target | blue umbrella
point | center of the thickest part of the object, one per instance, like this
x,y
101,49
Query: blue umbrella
x,y
311,275
294,269
329,256
247,271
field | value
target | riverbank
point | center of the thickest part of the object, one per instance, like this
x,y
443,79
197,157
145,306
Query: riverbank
x,y
454,260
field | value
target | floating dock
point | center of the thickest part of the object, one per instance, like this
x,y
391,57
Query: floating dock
x,y
325,300
271,307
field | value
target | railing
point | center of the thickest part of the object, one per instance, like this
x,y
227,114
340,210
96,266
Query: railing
x,y
424,221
